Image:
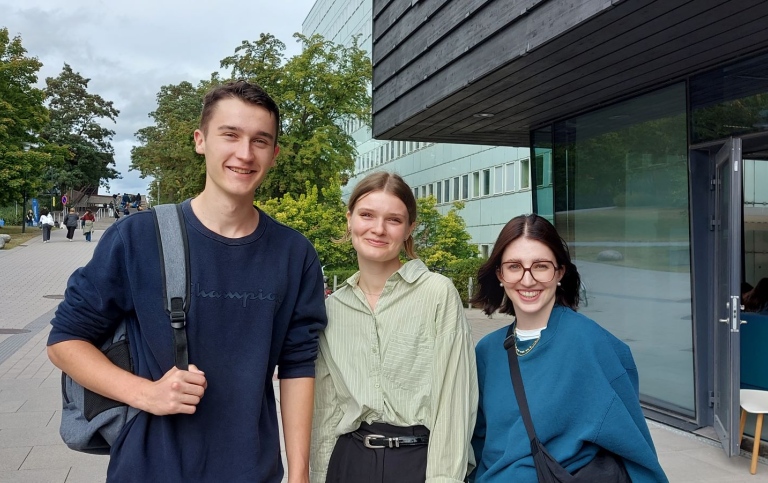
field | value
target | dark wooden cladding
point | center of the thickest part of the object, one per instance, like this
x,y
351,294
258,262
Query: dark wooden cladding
x,y
484,40
392,14
556,60
453,32
528,82
675,64
656,48
549,55
393,35
378,7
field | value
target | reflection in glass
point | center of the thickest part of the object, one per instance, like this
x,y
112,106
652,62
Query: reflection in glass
x,y
621,203
541,152
755,174
730,101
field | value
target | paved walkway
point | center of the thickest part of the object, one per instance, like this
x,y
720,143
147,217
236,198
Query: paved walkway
x,y
33,280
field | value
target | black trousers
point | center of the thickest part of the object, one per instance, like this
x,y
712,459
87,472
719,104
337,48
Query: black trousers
x,y
352,462
71,231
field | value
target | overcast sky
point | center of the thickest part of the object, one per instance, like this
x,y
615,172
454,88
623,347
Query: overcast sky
x,y
129,49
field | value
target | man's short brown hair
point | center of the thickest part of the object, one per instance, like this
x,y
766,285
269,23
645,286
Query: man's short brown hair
x,y
246,92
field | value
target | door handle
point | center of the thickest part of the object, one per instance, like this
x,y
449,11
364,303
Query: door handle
x,y
724,321
743,321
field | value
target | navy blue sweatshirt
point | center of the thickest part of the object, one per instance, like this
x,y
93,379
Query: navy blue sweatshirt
x,y
256,303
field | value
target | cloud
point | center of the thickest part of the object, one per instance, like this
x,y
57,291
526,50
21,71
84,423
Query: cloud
x,y
130,49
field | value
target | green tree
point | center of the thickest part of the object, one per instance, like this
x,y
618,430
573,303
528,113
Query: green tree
x,y
321,221
317,91
74,124
23,158
441,239
166,149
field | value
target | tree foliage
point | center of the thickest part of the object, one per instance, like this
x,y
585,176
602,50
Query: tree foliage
x,y
74,124
441,239
22,115
166,149
317,91
321,221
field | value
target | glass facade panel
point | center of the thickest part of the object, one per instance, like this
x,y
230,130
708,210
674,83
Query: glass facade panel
x,y
498,180
730,101
456,186
525,174
755,174
541,151
621,203
510,171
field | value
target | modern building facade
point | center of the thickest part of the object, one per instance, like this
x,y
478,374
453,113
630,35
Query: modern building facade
x,y
493,181
647,123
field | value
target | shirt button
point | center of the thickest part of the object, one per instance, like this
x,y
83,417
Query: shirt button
x,y
376,385
375,350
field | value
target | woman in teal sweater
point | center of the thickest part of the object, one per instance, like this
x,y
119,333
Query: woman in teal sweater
x,y
580,381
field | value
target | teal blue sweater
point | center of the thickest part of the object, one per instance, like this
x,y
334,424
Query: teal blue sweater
x,y
582,388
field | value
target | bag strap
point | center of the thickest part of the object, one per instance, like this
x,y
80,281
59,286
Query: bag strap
x,y
517,383
174,265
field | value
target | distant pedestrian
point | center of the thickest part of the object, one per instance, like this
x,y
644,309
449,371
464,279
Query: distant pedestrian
x,y
88,220
70,221
46,222
30,218
116,213
126,210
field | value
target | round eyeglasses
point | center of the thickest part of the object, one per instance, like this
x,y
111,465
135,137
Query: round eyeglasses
x,y
542,271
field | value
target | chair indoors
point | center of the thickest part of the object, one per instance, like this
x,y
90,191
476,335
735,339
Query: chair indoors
x,y
754,376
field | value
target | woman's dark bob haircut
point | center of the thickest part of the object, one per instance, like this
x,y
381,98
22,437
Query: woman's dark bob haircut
x,y
533,227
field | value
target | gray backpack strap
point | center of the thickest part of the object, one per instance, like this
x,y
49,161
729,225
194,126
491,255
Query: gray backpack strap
x,y
174,265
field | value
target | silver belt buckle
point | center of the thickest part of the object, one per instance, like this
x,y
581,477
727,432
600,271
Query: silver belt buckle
x,y
368,438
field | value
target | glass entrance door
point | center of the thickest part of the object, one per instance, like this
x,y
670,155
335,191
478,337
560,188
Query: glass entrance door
x,y
727,302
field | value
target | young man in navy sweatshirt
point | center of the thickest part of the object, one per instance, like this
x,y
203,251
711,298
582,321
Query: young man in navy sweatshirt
x,y
256,303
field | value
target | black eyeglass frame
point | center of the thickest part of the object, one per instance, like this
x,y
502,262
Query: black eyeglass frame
x,y
500,271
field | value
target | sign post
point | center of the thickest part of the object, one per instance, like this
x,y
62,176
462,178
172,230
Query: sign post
x,y
64,200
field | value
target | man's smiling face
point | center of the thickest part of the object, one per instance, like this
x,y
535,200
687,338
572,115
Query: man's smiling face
x,y
239,147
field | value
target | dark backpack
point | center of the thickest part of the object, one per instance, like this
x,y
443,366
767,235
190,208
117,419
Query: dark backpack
x,y
90,422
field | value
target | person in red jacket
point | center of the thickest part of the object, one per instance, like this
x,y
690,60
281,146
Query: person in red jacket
x,y
88,220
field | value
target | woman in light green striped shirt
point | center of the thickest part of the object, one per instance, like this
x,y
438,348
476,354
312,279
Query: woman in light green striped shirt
x,y
396,381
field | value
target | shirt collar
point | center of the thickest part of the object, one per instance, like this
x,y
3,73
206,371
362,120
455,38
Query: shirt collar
x,y
409,272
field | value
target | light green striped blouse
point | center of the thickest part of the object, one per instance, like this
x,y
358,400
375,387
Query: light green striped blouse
x,y
409,362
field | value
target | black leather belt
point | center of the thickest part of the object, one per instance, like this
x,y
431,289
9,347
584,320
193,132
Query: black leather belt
x,y
377,441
